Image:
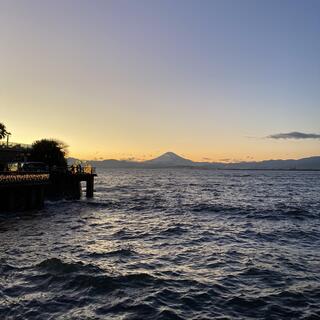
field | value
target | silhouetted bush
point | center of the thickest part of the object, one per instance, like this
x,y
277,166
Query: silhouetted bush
x,y
51,152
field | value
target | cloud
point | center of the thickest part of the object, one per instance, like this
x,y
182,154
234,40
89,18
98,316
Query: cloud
x,y
294,135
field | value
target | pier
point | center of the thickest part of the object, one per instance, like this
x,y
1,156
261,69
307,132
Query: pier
x,y
21,191
67,184
31,174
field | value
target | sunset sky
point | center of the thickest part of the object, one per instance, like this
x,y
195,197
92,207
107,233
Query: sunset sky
x,y
209,80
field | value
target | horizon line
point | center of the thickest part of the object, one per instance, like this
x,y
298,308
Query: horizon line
x,y
204,161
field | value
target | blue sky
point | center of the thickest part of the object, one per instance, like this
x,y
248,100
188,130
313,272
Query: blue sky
x,y
136,78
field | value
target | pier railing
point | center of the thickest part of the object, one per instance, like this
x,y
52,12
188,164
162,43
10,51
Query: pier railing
x,y
20,177
10,178
86,169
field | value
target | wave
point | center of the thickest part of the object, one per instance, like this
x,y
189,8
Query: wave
x,y
174,231
206,207
104,204
77,276
57,266
278,213
115,253
4,268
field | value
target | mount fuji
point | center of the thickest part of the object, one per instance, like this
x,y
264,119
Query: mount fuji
x,y
169,159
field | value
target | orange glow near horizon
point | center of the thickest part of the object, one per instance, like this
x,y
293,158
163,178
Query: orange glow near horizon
x,y
250,149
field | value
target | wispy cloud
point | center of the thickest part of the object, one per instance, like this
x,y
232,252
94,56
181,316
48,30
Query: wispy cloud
x,y
225,160
294,135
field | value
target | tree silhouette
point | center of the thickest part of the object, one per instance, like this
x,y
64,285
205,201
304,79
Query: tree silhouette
x,y
3,131
50,152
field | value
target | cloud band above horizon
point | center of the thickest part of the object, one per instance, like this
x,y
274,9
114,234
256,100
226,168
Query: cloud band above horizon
x,y
295,135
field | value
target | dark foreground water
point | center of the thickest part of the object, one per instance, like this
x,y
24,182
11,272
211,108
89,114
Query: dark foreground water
x,y
165,244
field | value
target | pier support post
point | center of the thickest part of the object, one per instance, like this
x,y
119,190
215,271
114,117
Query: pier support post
x,y
40,198
77,189
11,201
90,187
31,198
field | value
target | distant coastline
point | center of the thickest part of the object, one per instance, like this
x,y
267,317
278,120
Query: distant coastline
x,y
172,160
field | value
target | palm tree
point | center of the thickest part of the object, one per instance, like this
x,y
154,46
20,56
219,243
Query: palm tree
x,y
3,131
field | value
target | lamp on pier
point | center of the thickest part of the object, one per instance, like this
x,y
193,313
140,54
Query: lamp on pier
x,y
8,134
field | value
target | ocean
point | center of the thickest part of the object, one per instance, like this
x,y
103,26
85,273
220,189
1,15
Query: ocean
x,y
168,244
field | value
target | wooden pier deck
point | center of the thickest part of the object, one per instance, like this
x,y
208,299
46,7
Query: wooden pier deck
x,y
23,191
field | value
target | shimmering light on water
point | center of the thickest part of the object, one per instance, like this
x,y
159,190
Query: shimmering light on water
x,y
165,244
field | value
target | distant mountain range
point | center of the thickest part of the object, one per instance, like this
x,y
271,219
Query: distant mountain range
x,y
172,160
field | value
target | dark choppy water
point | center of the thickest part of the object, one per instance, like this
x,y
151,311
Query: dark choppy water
x,y
164,244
